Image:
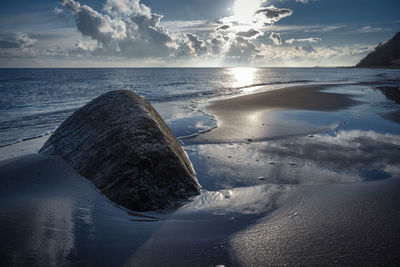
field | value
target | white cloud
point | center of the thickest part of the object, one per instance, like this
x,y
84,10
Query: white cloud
x,y
58,11
370,29
179,26
242,49
126,28
302,28
297,56
126,8
193,46
308,40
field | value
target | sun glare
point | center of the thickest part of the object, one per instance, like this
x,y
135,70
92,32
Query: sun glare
x,y
243,76
245,9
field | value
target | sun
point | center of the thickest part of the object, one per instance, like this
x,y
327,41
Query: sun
x,y
244,10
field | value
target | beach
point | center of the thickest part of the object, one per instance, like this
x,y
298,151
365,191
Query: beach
x,y
291,175
249,117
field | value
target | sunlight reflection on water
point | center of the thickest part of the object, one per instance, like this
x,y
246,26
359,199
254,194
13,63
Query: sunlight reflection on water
x,y
243,76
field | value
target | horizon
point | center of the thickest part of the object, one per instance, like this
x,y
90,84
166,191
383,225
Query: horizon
x,y
195,34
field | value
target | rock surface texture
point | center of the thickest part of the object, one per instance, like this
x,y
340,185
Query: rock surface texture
x,y
120,143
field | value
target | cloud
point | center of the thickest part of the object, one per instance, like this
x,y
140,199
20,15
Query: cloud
x,y
127,8
309,56
276,38
248,34
325,28
308,49
309,40
58,11
125,28
242,49
370,29
16,40
219,43
335,149
271,14
193,46
179,26
302,28
223,28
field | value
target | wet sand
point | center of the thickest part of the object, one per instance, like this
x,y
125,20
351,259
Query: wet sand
x,y
252,118
327,225
298,214
56,217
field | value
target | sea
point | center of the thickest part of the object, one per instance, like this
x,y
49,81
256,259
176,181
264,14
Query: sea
x,y
34,102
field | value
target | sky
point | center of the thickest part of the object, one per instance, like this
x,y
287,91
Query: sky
x,y
193,33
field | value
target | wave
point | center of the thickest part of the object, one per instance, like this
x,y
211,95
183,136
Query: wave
x,y
26,139
267,83
220,91
174,83
19,79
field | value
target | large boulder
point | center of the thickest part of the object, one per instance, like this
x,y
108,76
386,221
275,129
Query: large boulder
x,y
120,143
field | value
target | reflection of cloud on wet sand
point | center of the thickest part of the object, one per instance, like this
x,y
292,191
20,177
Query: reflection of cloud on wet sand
x,y
347,149
53,232
348,156
54,228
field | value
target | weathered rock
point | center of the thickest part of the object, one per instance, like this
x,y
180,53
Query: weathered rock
x,y
120,143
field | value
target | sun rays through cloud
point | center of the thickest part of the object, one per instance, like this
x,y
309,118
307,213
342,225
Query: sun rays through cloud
x,y
228,33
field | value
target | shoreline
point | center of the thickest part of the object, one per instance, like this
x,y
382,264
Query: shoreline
x,y
252,117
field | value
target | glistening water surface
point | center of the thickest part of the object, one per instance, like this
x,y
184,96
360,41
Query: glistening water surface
x,y
35,101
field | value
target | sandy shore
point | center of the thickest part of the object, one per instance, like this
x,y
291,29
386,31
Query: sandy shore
x,y
56,217
22,148
251,117
325,200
